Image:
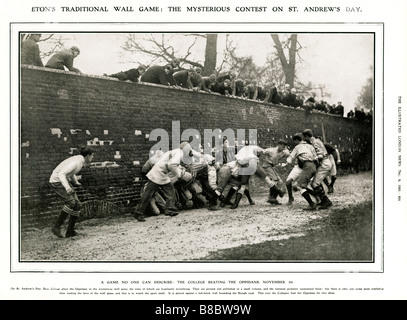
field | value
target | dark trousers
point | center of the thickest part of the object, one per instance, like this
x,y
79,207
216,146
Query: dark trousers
x,y
168,192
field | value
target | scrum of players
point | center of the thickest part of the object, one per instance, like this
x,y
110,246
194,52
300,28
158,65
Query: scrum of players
x,y
183,178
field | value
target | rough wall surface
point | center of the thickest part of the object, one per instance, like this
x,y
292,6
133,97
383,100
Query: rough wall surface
x,y
60,111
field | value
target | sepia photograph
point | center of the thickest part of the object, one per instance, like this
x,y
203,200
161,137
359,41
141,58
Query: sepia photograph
x,y
198,147
201,157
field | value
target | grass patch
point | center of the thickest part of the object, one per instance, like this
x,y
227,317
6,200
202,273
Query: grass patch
x,y
344,235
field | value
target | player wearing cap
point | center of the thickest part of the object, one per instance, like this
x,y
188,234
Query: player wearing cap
x,y
64,59
323,170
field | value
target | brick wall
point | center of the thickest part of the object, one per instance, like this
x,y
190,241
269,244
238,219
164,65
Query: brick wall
x,y
60,111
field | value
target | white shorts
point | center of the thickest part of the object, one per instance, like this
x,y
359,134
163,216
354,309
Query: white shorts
x,y
295,173
333,170
323,171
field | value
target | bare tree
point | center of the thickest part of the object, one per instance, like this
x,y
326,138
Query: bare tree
x,y
243,66
210,54
160,48
54,43
50,43
287,52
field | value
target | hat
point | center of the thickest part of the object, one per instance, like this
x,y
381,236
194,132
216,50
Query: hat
x,y
307,133
142,67
282,141
183,145
75,48
297,136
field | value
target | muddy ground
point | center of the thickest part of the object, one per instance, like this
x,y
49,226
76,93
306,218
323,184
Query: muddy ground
x,y
193,234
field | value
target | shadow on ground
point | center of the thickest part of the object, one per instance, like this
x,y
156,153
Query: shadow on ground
x,y
346,235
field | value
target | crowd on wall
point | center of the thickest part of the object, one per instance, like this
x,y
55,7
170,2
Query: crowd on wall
x,y
171,74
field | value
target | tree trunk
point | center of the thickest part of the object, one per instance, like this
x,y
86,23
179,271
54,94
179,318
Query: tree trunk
x,y
288,66
210,54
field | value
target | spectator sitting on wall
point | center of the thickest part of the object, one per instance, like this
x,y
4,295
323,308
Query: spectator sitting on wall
x,y
250,91
369,116
183,78
64,59
285,94
196,79
331,108
30,51
261,93
299,101
360,114
272,95
159,75
175,64
351,114
308,106
132,75
292,96
224,88
208,83
238,88
320,106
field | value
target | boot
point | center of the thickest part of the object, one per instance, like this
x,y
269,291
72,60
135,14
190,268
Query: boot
x,y
325,202
70,232
141,216
290,193
56,228
237,200
315,194
326,181
226,201
273,193
331,186
247,194
312,205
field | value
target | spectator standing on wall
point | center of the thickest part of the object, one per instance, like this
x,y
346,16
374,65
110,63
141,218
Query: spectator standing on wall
x,y
64,59
30,51
132,75
339,109
61,181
